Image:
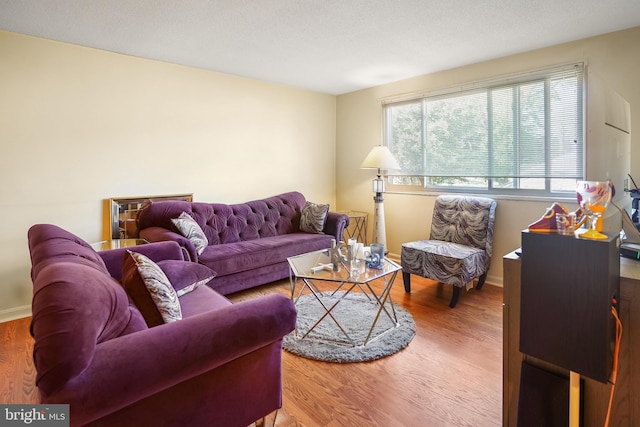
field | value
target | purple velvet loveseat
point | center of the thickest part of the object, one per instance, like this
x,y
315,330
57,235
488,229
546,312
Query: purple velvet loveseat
x,y
220,365
247,243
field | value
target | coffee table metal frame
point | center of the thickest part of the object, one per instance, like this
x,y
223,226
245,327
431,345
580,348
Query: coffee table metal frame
x,y
300,272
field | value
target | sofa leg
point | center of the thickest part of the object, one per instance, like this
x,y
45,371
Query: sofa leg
x,y
454,297
406,278
481,280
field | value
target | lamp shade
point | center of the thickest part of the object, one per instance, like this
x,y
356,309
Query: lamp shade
x,y
380,158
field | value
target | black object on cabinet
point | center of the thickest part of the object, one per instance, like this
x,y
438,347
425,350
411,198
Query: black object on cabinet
x,y
568,288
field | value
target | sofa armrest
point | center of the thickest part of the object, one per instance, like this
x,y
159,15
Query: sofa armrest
x,y
155,251
161,234
136,366
335,225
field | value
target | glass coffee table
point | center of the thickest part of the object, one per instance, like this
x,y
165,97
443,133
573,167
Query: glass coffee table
x,y
307,277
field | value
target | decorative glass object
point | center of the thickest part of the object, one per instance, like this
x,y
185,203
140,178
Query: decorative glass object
x,y
593,197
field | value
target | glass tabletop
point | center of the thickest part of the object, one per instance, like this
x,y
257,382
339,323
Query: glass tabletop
x,y
307,266
106,245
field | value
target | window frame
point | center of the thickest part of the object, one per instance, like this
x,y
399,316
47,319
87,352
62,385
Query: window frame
x,y
485,85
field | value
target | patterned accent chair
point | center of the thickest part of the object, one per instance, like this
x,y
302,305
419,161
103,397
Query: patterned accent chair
x,y
459,246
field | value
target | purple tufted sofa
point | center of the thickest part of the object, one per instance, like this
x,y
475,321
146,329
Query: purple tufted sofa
x,y
248,243
218,366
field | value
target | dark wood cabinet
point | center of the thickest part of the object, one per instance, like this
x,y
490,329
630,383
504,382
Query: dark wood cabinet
x,y
569,286
626,401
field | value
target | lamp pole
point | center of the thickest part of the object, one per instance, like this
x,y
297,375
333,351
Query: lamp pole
x,y
379,158
379,229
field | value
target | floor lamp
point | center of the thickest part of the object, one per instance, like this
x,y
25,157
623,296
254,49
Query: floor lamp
x,y
379,158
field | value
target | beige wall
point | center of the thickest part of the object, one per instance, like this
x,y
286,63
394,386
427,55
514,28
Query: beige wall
x,y
80,125
615,57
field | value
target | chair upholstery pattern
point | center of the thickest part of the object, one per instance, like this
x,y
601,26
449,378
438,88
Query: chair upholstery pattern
x,y
460,243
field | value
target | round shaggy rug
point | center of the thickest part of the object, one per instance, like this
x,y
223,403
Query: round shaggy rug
x,y
355,313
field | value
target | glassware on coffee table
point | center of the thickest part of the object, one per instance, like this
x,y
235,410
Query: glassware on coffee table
x,y
311,270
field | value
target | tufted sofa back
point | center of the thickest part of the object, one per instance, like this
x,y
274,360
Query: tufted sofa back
x,y
76,305
223,223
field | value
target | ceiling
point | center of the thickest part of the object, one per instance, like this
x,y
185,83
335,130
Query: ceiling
x,y
331,46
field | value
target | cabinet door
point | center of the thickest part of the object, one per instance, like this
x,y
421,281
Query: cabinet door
x,y
568,285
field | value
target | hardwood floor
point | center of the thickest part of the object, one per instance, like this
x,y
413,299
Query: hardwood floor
x,y
17,372
449,375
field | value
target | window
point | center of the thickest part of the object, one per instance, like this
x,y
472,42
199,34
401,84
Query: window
x,y
523,134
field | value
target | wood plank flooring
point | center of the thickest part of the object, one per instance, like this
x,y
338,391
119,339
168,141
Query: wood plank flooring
x,y
449,375
17,372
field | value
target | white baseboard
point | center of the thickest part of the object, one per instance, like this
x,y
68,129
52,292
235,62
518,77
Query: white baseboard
x,y
494,280
15,313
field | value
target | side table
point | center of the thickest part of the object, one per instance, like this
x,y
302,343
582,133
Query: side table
x,y
106,245
357,226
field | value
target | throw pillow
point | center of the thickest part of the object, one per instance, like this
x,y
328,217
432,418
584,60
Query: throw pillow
x,y
189,228
185,276
313,218
150,290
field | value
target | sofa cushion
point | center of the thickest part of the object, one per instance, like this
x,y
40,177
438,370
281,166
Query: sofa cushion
x,y
241,256
313,217
185,276
202,300
75,308
190,229
150,290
